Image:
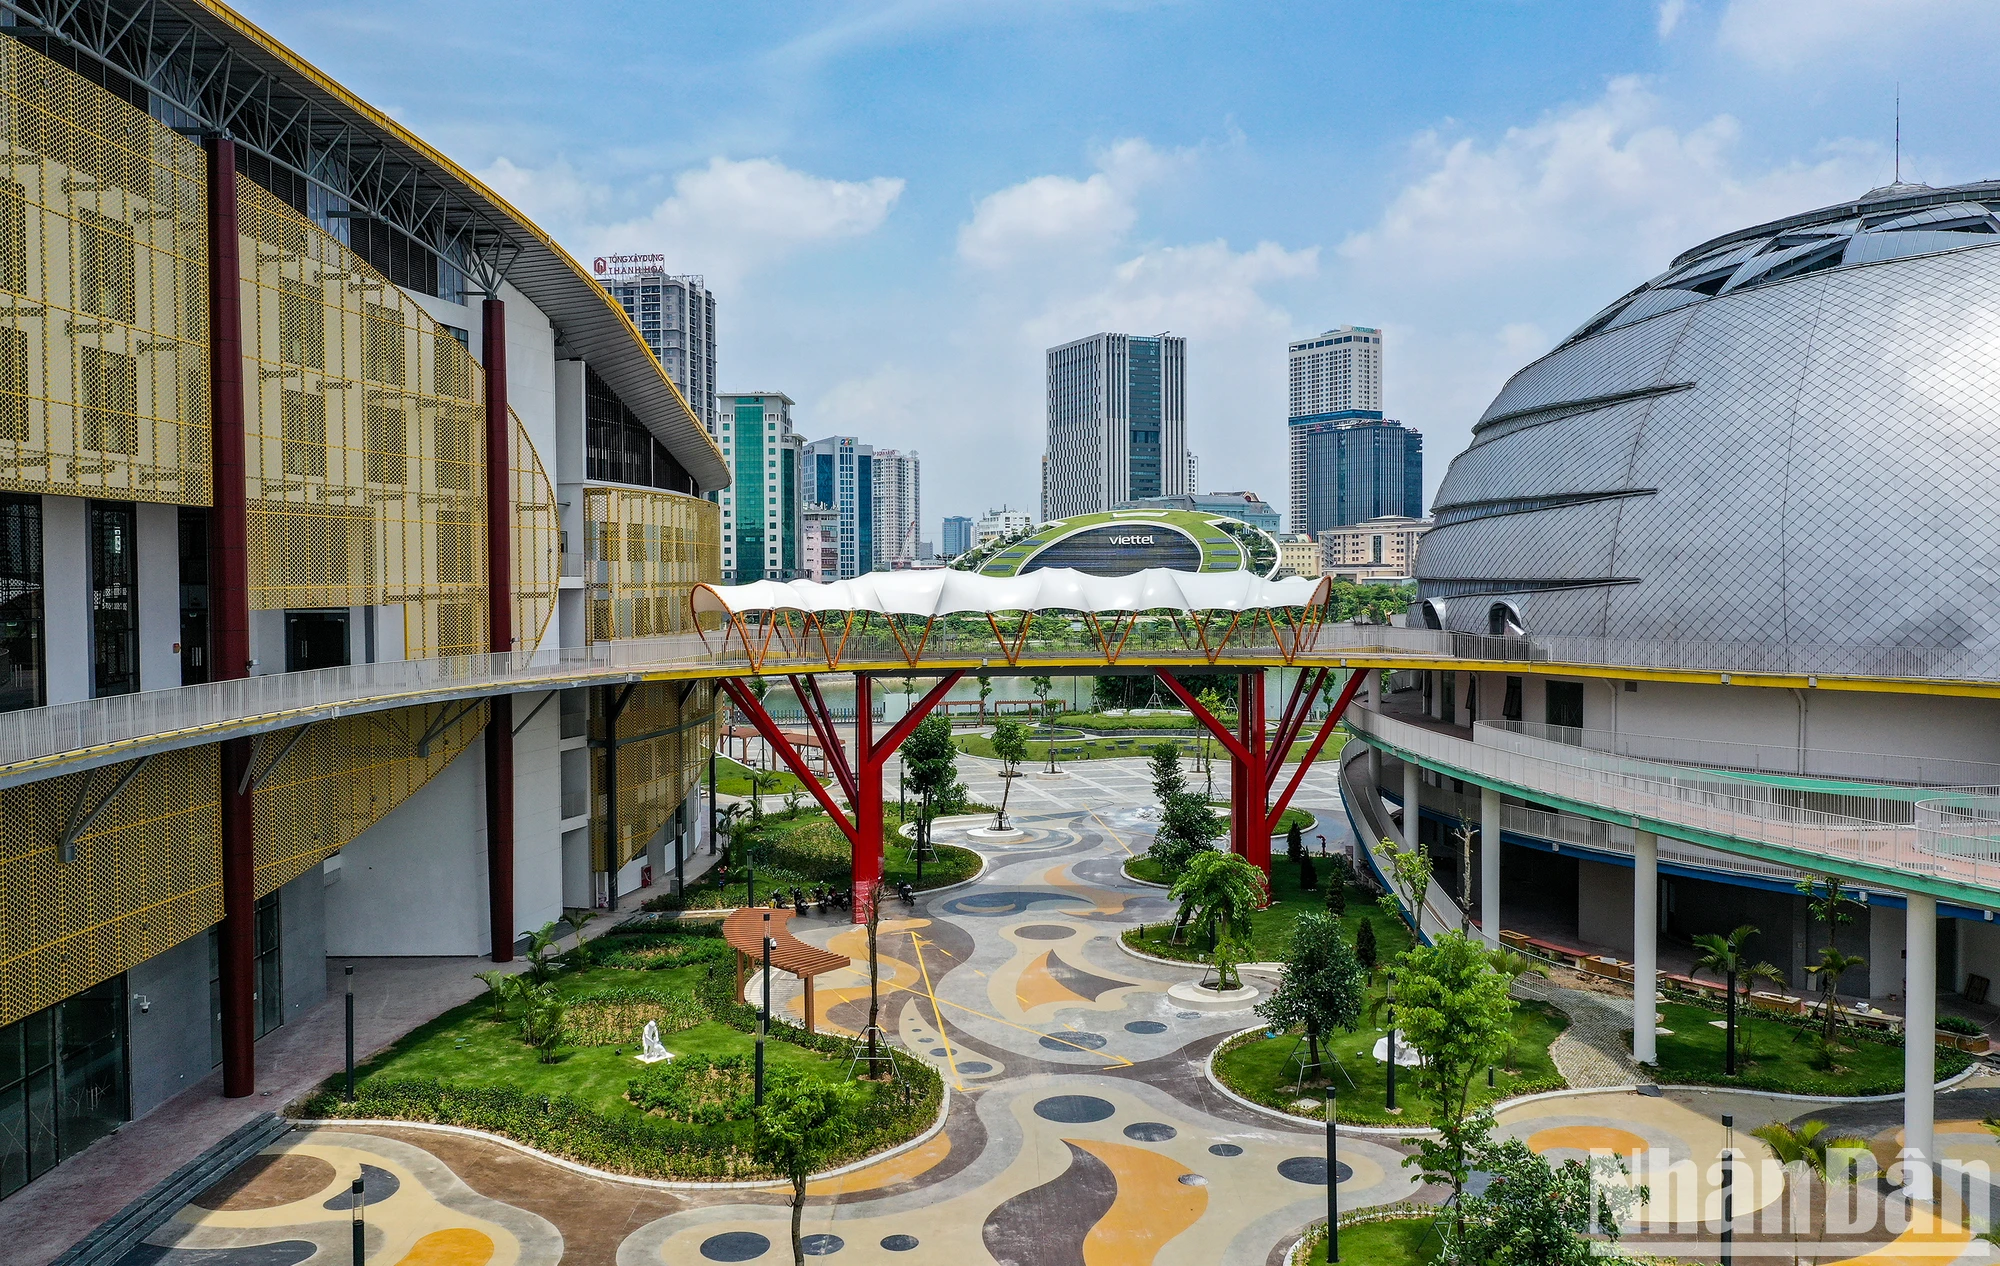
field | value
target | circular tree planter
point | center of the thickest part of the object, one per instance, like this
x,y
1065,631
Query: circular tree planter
x,y
1201,998
987,835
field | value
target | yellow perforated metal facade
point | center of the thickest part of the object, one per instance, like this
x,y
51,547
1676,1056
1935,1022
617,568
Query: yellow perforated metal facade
x,y
365,446
103,293
537,534
147,875
345,775
645,551
662,754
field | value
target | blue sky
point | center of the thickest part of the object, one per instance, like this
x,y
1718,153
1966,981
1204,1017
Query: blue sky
x,y
901,204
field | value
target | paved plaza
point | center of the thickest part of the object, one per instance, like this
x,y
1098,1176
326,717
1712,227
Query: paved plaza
x,y
1081,1128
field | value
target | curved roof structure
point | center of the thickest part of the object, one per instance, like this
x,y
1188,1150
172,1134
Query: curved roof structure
x,y
1790,439
1123,542
222,71
946,592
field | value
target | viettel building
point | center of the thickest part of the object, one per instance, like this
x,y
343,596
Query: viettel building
x,y
1749,508
283,389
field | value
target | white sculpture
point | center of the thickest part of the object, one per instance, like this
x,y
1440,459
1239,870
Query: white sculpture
x,y
1407,1056
649,1040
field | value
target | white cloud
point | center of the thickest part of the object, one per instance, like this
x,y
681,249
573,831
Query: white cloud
x,y
1786,34
1606,180
1060,213
1670,14
725,219
1203,291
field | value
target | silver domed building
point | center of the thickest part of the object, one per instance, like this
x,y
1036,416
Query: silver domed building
x,y
1789,439
1730,555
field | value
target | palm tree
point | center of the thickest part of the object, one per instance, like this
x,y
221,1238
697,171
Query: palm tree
x,y
1826,973
1806,1145
1513,964
1218,891
1723,955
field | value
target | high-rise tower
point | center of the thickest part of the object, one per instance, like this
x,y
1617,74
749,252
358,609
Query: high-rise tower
x,y
1117,422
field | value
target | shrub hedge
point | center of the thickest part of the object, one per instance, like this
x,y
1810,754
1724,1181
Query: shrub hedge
x,y
611,1018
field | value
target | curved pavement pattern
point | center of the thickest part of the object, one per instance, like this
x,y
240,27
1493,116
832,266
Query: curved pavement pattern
x,y
1082,1130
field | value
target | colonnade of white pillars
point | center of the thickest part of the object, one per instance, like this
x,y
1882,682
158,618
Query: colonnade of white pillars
x,y
1645,946
1920,968
1489,866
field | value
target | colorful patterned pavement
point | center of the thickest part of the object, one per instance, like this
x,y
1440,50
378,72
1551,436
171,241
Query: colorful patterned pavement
x,y
1082,1129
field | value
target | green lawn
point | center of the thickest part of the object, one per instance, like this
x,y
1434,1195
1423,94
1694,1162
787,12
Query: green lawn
x,y
1260,1069
1776,1056
732,778
804,850
1271,927
1387,1243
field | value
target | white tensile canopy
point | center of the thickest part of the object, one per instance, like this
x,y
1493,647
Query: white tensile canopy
x,y
946,592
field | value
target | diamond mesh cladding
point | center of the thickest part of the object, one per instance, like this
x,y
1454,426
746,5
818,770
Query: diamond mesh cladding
x,y
647,550
147,875
365,443
662,753
1822,483
103,293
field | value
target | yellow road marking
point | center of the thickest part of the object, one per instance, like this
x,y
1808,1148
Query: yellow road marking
x,y
1114,835
917,943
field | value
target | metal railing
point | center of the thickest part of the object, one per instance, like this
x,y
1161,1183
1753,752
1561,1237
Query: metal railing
x,y
1709,805
1876,770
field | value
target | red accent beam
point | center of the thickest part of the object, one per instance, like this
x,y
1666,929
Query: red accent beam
x,y
1319,740
229,604
1229,742
910,720
768,728
822,726
499,745
1289,725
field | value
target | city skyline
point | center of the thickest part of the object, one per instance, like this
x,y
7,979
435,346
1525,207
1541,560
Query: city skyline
x,y
870,270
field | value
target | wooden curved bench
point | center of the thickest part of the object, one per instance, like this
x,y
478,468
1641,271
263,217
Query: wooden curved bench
x,y
745,930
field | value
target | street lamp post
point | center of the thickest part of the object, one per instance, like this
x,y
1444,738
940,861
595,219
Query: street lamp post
x,y
764,1021
1391,977
1728,1254
359,1223
1332,1179
350,1033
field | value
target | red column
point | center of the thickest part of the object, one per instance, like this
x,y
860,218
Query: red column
x,y
867,801
500,623
229,607
1250,709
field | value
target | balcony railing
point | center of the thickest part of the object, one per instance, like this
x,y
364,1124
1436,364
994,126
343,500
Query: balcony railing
x,y
1733,812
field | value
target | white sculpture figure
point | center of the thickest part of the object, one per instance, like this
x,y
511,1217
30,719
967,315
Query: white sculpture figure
x,y
649,1040
1407,1056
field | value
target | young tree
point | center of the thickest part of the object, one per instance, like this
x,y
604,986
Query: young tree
x,y
1308,873
1410,877
1042,686
1453,1007
1211,700
985,681
1164,760
1827,902
1010,744
1295,845
1723,955
1336,894
1322,985
1826,974
1365,951
1218,892
931,761
803,1121
543,1014
1188,829
1533,1213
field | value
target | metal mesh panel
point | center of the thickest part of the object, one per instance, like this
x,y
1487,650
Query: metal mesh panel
x,y
646,551
658,765
365,439
344,776
103,293
537,540
147,875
